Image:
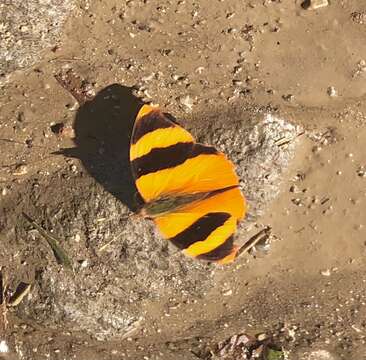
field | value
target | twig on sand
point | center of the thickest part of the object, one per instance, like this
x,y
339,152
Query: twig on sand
x,y
21,292
3,309
131,329
255,239
103,247
286,140
75,86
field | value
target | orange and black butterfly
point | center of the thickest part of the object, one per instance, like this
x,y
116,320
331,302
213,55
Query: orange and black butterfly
x,y
190,190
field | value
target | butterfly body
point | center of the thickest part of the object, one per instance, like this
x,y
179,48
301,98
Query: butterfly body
x,y
168,204
190,190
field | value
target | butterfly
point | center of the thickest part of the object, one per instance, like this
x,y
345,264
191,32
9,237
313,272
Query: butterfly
x,y
190,190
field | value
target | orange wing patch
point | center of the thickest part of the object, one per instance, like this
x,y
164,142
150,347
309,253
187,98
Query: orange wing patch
x,y
190,189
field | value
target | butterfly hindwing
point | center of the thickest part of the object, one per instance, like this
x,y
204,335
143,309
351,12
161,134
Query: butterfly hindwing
x,y
167,163
205,229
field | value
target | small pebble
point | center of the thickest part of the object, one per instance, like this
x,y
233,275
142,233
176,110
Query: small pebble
x,y
77,237
314,4
237,82
63,130
258,351
187,102
20,170
297,201
328,210
261,337
227,293
359,17
21,117
237,69
148,77
288,97
325,272
261,247
354,327
331,91
4,348
83,263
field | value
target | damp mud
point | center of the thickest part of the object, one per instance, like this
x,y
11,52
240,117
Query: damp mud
x,y
279,87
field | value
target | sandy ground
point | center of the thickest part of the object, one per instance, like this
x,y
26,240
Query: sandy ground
x,y
216,65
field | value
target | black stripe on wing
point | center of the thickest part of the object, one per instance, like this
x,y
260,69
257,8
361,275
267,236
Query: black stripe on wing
x,y
164,158
152,121
220,252
199,230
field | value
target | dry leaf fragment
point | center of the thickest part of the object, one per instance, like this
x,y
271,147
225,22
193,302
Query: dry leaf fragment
x,y
20,293
61,257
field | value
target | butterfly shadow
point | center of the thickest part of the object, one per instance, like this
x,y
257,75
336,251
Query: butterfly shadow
x,y
103,128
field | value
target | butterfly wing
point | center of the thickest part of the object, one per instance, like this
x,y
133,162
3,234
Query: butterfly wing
x,y
166,161
205,229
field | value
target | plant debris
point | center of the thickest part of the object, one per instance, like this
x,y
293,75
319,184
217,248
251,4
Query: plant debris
x,y
247,347
314,4
61,257
3,310
260,237
20,293
80,89
63,130
273,354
